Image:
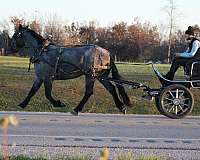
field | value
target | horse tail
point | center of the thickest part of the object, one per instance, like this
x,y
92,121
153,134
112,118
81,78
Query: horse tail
x,y
115,72
121,89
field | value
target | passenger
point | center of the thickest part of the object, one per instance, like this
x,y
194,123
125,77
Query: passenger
x,y
186,58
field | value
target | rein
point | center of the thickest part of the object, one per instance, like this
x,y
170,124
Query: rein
x,y
37,59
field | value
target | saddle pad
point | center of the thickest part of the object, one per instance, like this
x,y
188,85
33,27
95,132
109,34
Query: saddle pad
x,y
101,59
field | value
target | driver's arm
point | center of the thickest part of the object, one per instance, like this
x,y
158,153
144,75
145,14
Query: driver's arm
x,y
195,47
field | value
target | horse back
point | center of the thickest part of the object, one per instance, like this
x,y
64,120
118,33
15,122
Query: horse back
x,y
89,56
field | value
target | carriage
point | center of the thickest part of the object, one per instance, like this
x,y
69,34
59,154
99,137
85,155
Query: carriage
x,y
174,98
51,62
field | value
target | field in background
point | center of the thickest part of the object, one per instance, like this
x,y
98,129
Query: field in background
x,y
15,83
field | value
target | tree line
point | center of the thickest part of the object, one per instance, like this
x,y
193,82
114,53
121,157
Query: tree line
x,y
135,42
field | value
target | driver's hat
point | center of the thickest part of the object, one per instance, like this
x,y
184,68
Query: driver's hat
x,y
190,31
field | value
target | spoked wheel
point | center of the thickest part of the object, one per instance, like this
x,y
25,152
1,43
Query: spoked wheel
x,y
157,103
176,101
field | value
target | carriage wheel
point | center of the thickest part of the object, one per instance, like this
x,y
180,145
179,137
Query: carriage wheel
x,y
176,101
157,102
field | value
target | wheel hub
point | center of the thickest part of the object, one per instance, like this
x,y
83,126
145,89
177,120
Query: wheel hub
x,y
176,101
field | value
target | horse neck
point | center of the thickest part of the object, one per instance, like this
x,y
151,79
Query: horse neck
x,y
31,41
32,44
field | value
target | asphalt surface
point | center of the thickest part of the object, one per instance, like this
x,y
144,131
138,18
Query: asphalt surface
x,y
53,134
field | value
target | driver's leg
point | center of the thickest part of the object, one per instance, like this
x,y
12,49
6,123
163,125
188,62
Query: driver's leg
x,y
174,67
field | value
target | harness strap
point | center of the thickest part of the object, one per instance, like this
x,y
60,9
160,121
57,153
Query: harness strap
x,y
57,61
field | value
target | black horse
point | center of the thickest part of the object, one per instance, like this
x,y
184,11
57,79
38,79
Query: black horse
x,y
52,62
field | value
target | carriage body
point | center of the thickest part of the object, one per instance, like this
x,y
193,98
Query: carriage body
x,y
174,98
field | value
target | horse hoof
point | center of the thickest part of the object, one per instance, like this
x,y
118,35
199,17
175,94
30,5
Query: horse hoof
x,y
60,104
123,110
74,113
21,106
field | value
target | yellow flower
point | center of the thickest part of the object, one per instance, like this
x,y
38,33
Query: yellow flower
x,y
4,122
104,154
13,120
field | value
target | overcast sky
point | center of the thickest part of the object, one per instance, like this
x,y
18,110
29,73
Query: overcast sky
x,y
106,12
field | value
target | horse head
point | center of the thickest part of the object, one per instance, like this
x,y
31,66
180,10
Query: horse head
x,y
17,41
26,40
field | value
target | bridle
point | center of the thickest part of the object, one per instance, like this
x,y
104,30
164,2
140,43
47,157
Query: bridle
x,y
36,50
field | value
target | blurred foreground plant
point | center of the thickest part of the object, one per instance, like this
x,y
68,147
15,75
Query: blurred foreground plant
x,y
127,156
4,123
104,154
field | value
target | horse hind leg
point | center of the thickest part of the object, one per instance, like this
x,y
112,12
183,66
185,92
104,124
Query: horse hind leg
x,y
124,95
112,90
36,85
89,85
48,90
120,88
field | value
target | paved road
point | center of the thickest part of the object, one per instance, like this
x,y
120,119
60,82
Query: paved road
x,y
60,133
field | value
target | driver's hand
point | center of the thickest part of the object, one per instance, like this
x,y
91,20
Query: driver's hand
x,y
176,55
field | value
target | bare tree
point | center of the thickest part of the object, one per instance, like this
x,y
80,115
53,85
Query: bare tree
x,y
17,20
4,42
36,26
87,33
54,29
72,34
171,10
5,26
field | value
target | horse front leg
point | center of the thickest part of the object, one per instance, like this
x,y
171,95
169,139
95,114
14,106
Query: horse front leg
x,y
36,85
89,85
48,90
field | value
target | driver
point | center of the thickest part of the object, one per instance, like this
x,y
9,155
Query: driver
x,y
186,58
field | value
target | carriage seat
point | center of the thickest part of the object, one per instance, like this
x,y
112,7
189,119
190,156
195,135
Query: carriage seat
x,y
194,71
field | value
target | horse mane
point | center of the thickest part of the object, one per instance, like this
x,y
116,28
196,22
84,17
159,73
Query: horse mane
x,y
38,37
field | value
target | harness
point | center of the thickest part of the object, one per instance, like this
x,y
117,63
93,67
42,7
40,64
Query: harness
x,y
40,58
34,59
57,60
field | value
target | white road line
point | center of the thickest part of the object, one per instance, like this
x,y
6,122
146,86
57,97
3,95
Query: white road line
x,y
92,114
86,137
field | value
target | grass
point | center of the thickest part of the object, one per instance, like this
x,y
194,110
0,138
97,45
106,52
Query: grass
x,y
15,83
75,157
129,156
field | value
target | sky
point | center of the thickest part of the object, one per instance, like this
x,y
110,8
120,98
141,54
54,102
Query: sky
x,y
105,12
